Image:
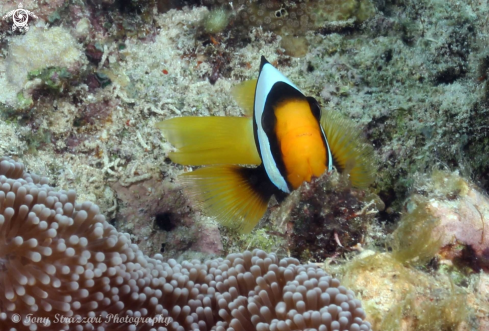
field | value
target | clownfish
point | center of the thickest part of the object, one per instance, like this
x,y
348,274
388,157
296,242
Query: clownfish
x,y
284,141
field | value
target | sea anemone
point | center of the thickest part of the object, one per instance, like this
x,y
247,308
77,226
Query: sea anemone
x,y
63,266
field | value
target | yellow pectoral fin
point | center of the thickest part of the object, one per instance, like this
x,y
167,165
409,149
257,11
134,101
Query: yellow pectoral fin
x,y
211,140
244,94
350,153
228,193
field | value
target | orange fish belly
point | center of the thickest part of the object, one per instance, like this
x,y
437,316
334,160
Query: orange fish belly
x,y
300,140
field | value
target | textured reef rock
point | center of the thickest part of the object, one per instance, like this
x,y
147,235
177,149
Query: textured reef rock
x,y
39,49
174,231
61,257
482,292
294,17
416,76
464,226
455,218
53,50
399,298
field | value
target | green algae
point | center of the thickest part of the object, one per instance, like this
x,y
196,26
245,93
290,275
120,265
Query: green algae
x,y
24,103
266,239
216,20
35,140
413,241
448,184
53,78
445,313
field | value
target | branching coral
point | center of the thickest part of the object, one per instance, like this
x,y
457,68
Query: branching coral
x,y
59,258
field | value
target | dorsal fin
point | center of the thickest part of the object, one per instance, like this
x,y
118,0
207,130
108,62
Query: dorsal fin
x,y
351,154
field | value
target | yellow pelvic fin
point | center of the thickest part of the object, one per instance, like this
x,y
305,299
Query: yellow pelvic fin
x,y
229,193
351,153
211,140
244,94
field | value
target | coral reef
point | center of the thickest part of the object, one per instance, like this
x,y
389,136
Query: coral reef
x,y
442,234
61,257
412,73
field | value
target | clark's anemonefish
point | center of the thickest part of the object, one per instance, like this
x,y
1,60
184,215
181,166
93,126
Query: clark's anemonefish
x,y
285,137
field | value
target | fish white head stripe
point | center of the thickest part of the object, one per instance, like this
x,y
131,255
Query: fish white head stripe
x,y
269,75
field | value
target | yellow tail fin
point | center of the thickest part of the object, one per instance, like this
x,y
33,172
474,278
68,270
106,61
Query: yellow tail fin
x,y
238,197
211,140
350,153
244,94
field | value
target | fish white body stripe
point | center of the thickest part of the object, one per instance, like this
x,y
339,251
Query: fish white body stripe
x,y
268,77
330,157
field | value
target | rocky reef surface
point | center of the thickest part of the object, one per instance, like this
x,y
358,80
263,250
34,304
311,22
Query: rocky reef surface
x,y
81,91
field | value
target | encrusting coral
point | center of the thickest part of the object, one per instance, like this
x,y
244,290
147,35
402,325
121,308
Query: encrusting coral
x,y
63,266
294,17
